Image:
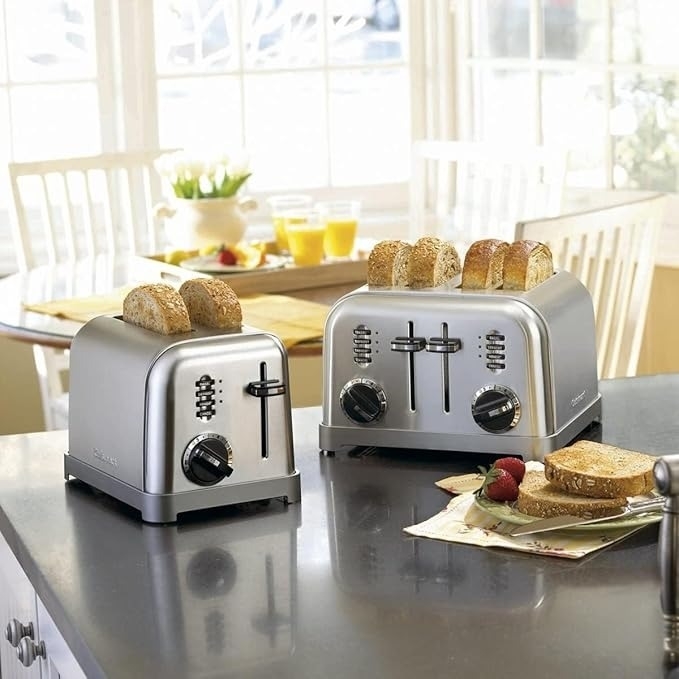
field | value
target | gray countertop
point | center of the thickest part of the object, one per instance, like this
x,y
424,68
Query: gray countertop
x,y
331,586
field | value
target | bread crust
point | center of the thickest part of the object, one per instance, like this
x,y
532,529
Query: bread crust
x,y
592,469
388,263
212,303
157,307
484,264
527,263
432,262
538,497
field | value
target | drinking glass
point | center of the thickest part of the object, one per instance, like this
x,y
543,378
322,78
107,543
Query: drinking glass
x,y
341,220
280,205
305,230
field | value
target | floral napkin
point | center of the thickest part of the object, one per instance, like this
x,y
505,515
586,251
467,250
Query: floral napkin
x,y
293,320
462,521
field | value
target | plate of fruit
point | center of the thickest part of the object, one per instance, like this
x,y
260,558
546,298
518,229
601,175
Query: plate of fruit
x,y
238,258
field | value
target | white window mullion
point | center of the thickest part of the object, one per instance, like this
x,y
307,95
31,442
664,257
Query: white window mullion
x,y
105,21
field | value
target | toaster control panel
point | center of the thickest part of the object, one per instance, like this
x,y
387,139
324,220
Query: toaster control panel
x,y
495,351
362,345
496,408
363,400
205,397
207,459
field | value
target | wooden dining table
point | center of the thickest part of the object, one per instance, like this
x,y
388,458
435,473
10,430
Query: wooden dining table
x,y
104,274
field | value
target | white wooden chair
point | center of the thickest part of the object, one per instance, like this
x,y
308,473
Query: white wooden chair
x,y
612,250
464,191
70,208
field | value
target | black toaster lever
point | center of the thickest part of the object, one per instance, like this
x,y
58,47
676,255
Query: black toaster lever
x,y
408,343
265,388
444,345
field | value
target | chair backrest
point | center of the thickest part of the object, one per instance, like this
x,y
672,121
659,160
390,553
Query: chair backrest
x,y
69,208
612,251
465,191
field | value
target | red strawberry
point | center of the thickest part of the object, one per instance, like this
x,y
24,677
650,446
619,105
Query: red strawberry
x,y
499,485
226,257
514,465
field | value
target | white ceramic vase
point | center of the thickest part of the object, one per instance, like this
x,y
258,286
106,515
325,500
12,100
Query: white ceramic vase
x,y
193,224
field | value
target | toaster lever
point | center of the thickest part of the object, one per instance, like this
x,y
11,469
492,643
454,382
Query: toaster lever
x,y
265,388
408,343
444,345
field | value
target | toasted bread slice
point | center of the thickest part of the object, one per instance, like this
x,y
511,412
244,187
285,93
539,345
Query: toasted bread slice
x,y
484,264
212,302
157,307
538,497
527,263
599,470
432,262
388,263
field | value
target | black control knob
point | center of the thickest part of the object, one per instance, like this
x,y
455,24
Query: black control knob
x,y
207,459
363,401
496,408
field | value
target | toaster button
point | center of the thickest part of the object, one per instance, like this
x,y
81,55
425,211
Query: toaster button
x,y
493,337
495,347
408,343
495,366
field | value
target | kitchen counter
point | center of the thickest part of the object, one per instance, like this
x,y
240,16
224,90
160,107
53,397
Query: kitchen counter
x,y
332,587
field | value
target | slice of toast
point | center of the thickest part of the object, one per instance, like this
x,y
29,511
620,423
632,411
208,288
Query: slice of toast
x,y
538,497
598,470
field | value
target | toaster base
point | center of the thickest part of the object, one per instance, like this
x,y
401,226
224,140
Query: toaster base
x,y
332,437
165,508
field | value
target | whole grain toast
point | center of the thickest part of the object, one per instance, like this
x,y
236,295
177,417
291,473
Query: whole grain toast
x,y
600,471
538,497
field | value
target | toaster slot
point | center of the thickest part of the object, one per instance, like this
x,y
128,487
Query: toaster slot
x,y
444,345
409,345
263,389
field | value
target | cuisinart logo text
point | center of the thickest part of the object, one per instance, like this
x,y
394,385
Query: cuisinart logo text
x,y
578,398
113,461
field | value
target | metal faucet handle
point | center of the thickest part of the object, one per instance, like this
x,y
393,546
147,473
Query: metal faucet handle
x,y
666,475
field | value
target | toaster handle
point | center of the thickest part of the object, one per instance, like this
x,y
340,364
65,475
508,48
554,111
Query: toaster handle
x,y
266,388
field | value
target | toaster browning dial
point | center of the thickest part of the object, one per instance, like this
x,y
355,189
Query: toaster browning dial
x,y
363,400
496,408
207,459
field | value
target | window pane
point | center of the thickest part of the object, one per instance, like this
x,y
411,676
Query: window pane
x,y
645,129
200,113
3,49
369,127
195,36
645,32
364,31
70,129
573,30
286,130
504,101
581,128
51,40
501,28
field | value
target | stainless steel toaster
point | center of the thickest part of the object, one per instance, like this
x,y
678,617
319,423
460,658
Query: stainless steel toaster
x,y
491,371
170,424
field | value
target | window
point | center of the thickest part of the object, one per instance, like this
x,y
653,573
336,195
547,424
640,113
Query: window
x,y
597,77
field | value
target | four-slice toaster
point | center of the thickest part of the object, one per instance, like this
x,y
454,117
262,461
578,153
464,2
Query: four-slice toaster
x,y
175,423
491,371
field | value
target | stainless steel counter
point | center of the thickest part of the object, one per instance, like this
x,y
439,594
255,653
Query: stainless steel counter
x,y
331,587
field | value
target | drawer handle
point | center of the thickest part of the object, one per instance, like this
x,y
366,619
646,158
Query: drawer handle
x,y
28,651
16,631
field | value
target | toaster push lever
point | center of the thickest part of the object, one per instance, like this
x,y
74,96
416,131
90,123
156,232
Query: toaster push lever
x,y
408,343
264,388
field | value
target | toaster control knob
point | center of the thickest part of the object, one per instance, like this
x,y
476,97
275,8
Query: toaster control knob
x,y
496,408
207,459
363,401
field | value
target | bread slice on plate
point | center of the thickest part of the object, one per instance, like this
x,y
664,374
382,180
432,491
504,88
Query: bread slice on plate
x,y
388,263
599,470
432,262
539,498
157,307
527,264
484,264
212,303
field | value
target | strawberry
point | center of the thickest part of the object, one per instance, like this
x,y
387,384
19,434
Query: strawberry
x,y
499,485
514,465
226,257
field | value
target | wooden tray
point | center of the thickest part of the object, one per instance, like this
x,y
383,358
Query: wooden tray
x,y
287,279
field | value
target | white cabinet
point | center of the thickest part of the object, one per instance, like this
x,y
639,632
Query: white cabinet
x,y
25,624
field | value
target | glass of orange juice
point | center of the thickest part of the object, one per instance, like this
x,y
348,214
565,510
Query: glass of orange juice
x,y
341,221
280,205
305,230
